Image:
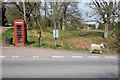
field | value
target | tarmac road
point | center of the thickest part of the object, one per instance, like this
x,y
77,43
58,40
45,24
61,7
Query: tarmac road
x,y
59,68
19,62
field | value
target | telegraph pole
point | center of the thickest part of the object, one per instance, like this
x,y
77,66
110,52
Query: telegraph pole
x,y
54,18
24,10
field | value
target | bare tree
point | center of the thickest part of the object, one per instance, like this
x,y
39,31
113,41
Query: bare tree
x,y
29,8
65,12
74,16
59,14
107,11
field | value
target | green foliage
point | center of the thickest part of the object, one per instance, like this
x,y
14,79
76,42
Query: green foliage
x,y
101,26
45,22
82,33
92,26
11,15
8,34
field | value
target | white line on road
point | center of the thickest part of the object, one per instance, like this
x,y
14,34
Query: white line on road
x,y
93,56
35,56
110,57
57,56
2,56
77,56
63,57
15,56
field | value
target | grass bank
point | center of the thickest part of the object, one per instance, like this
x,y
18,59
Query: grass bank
x,y
68,40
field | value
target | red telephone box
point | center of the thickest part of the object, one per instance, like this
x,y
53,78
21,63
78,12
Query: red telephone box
x,y
20,32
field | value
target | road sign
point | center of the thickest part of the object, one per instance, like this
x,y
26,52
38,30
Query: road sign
x,y
55,33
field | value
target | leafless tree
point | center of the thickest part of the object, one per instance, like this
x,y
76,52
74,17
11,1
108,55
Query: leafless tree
x,y
60,14
107,11
66,12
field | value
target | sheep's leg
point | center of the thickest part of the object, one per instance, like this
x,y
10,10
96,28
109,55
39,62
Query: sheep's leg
x,y
100,52
90,52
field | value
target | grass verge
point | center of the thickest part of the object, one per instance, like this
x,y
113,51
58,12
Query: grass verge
x,y
68,40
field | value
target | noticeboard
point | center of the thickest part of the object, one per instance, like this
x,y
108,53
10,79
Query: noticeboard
x,y
55,33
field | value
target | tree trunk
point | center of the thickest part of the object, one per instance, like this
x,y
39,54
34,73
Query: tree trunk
x,y
106,31
51,15
63,24
45,11
4,20
58,24
64,15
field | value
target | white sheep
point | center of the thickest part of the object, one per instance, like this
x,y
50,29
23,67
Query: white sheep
x,y
96,48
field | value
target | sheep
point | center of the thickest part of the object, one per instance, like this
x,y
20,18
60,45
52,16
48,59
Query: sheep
x,y
96,48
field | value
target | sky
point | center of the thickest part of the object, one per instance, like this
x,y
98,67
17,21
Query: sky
x,y
85,10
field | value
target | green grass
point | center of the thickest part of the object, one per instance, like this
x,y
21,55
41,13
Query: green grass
x,y
8,34
68,40
0,39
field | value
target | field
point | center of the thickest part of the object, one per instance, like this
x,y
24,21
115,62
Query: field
x,y
68,40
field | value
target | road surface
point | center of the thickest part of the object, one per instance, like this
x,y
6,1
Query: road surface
x,y
19,62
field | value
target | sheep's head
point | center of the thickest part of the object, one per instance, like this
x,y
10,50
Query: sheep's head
x,y
102,45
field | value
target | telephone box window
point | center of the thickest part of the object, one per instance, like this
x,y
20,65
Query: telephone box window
x,y
19,34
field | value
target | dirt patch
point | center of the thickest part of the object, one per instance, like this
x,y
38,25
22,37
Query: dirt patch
x,y
85,42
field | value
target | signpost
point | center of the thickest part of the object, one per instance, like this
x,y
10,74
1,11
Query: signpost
x,y
39,36
55,31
